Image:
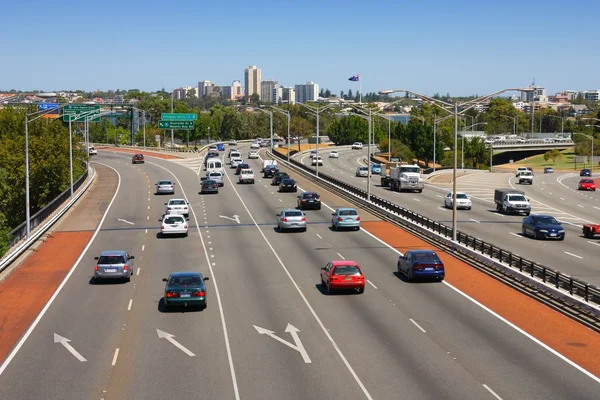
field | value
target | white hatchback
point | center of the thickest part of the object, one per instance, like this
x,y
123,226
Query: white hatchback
x,y
174,224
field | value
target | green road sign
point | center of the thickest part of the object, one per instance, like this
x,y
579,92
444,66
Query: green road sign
x,y
72,108
178,117
185,125
78,118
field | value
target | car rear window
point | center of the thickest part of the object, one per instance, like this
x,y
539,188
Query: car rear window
x,y
165,183
348,212
177,202
111,260
346,270
587,181
185,281
208,182
293,214
426,257
173,220
310,195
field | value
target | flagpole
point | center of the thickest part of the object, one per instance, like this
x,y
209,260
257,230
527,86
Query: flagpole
x,y
359,90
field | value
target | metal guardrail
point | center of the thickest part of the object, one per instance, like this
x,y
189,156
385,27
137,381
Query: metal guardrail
x,y
11,256
20,231
570,290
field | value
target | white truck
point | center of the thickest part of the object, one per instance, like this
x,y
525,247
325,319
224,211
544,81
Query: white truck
x,y
526,177
246,176
509,201
406,177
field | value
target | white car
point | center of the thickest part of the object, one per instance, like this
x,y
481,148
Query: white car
x,y
255,146
235,154
213,149
521,169
92,151
246,176
174,224
362,172
462,201
232,142
235,161
317,160
177,206
252,154
357,146
334,154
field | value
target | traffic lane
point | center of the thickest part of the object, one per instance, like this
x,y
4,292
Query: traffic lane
x,y
140,151
482,221
89,315
259,293
486,347
390,357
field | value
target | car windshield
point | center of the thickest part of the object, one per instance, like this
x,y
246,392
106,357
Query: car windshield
x,y
173,220
546,220
414,170
348,212
426,258
111,260
192,280
293,213
333,152
461,196
165,183
517,197
177,202
346,270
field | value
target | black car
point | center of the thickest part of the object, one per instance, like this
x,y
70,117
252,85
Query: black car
x,y
585,172
278,177
241,167
270,171
309,200
288,185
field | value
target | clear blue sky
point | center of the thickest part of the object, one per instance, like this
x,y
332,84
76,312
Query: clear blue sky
x,y
460,47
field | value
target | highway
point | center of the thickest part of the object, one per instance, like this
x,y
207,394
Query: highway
x,y
550,194
269,331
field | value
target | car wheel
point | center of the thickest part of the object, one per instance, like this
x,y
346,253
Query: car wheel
x,y
329,290
128,279
562,238
334,227
318,208
357,228
361,290
524,231
536,235
304,229
409,275
281,229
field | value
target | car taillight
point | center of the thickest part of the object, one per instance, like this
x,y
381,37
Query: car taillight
x,y
171,294
335,278
96,268
171,187
358,218
163,227
199,294
339,218
303,219
185,226
303,200
125,268
185,208
169,208
418,267
439,266
284,219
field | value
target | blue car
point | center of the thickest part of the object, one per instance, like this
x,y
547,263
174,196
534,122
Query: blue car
x,y
421,264
376,169
220,147
540,226
345,218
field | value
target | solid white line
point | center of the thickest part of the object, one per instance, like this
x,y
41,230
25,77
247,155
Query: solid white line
x,y
341,256
521,331
491,391
562,198
594,243
64,281
597,208
114,361
417,325
138,271
574,255
319,236
129,305
371,283
474,220
415,199
143,247
579,205
516,234
301,293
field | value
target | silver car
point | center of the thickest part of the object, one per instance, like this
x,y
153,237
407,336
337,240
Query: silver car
x,y
217,177
362,172
165,187
291,219
113,264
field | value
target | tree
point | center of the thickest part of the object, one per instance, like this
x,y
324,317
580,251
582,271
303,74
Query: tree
x,y
553,155
300,127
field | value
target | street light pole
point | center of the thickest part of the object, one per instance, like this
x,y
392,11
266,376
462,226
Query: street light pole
x,y
369,160
454,172
592,138
389,139
71,155
172,134
27,217
144,126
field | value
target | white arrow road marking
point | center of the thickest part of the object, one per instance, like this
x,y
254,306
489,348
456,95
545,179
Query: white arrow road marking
x,y
169,337
292,330
65,342
235,218
124,220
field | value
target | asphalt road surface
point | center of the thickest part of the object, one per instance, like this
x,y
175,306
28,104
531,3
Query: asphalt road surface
x,y
552,194
269,331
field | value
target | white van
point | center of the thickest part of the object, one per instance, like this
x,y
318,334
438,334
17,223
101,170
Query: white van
x,y
214,165
268,162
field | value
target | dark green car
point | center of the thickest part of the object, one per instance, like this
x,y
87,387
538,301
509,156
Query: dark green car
x,y
185,289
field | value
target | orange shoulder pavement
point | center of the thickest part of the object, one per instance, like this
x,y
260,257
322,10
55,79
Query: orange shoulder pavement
x,y
571,339
146,153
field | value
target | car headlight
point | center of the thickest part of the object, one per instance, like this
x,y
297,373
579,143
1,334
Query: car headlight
x,y
561,231
543,230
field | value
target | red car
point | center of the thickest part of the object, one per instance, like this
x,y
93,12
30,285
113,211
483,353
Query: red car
x,y
341,275
137,158
587,184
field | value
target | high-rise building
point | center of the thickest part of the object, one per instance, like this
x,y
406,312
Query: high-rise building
x,y
288,95
307,92
178,93
252,79
538,93
277,95
266,89
204,88
233,92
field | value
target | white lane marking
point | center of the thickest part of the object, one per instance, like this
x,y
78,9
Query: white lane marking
x,y
129,305
562,198
124,220
64,281
217,293
148,207
579,205
319,236
417,325
573,255
371,283
550,193
143,247
415,199
281,200
341,256
301,294
516,234
138,271
527,335
114,361
148,198
597,208
146,231
440,196
491,391
148,218
272,193
474,220
594,243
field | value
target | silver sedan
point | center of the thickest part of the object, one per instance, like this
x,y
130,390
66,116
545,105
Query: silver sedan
x,y
291,219
165,187
362,172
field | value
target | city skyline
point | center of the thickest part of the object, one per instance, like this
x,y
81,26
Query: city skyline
x,y
463,48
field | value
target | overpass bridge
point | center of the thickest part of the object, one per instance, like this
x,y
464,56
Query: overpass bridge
x,y
530,145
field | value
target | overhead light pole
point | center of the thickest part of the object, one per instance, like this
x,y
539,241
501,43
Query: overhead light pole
x,y
592,138
288,115
316,110
270,124
514,123
369,119
453,109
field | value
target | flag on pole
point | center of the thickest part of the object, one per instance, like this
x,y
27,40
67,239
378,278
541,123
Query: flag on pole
x,y
354,78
